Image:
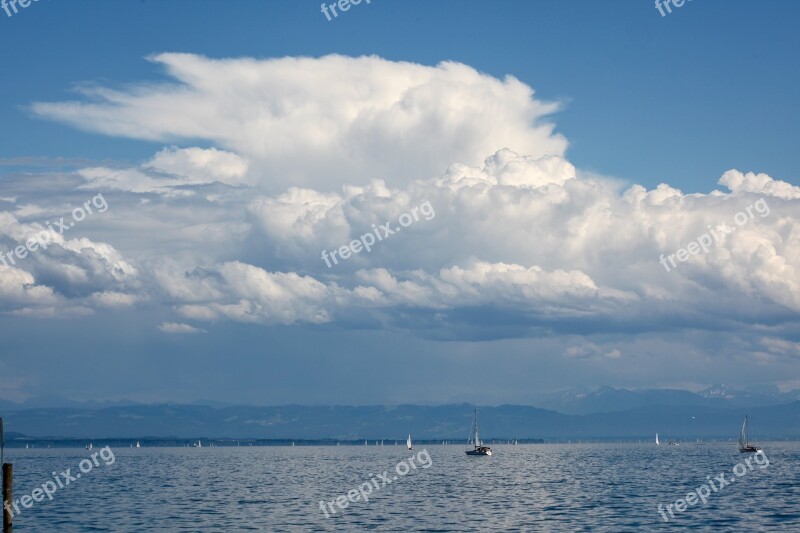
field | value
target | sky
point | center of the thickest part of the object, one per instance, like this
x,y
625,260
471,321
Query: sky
x,y
412,202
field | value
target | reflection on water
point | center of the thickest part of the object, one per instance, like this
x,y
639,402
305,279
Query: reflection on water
x,y
578,487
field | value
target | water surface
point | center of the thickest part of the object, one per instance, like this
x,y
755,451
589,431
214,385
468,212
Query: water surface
x,y
537,487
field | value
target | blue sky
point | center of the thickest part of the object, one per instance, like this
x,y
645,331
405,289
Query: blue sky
x,y
685,97
635,99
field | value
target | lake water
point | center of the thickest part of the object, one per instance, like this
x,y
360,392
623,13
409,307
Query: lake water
x,y
537,487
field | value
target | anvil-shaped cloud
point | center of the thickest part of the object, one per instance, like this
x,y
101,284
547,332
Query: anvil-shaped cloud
x,y
308,153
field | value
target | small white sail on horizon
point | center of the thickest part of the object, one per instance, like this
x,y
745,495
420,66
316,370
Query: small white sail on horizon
x,y
657,443
408,442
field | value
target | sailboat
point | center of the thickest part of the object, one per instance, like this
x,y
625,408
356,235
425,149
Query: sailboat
x,y
657,443
478,448
408,442
89,446
745,446
138,445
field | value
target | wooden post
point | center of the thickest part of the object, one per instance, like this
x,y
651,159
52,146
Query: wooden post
x,y
8,476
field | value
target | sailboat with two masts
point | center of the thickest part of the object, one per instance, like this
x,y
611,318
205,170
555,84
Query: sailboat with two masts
x,y
478,448
744,445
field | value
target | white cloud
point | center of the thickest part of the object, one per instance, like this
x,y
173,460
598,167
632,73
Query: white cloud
x,y
114,299
63,277
246,293
308,154
758,183
319,121
19,287
201,165
174,327
591,352
171,172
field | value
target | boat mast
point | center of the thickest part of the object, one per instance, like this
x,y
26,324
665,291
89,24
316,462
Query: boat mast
x,y
477,439
743,435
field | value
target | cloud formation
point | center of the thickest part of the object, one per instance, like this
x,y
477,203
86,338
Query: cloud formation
x,y
308,154
175,327
321,121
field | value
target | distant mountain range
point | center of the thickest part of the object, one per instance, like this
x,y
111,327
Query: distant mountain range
x,y
38,402
609,399
605,413
573,402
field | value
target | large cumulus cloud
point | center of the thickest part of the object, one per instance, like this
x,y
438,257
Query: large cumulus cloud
x,y
322,121
309,154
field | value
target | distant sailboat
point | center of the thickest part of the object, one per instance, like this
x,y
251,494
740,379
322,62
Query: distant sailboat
x,y
408,442
89,446
744,445
478,448
657,443
138,445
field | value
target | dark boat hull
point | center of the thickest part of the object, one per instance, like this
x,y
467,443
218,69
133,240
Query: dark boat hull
x,y
483,450
749,449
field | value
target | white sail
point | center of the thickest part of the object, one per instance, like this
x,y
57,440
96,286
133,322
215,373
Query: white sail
x,y
408,442
743,434
478,447
657,443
